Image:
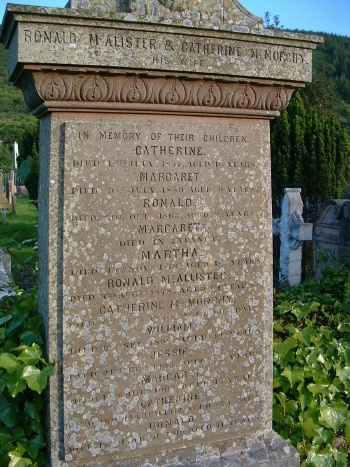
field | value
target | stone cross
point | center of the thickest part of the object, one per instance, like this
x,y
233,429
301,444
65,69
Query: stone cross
x,y
292,231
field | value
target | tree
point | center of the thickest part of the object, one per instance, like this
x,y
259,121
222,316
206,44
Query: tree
x,y
310,152
6,161
276,24
29,161
296,113
322,94
28,142
280,148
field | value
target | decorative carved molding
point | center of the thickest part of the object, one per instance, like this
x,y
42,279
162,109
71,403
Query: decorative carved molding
x,y
98,88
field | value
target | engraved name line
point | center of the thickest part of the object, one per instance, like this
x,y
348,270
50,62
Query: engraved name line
x,y
199,47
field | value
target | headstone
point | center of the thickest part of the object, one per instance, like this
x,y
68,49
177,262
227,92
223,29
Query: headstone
x,y
5,273
331,235
22,191
15,155
5,261
155,225
10,191
3,199
292,231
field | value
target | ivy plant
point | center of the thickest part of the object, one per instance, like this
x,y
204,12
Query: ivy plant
x,y
312,368
23,376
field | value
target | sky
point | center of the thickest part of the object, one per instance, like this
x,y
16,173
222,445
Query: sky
x,y
316,15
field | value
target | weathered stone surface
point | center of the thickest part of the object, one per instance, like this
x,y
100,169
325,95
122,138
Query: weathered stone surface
x,y
129,46
5,273
331,233
117,91
177,285
292,230
205,13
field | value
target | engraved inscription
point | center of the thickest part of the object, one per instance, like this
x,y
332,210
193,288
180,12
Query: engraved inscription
x,y
156,50
166,257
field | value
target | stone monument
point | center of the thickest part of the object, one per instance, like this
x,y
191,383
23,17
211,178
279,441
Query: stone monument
x,y
292,231
155,225
331,234
3,200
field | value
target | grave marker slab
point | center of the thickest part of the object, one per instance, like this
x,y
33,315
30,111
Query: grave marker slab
x,y
155,225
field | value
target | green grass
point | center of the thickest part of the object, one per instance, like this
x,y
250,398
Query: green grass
x,y
18,236
23,225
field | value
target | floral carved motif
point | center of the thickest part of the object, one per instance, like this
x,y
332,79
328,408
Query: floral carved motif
x,y
167,91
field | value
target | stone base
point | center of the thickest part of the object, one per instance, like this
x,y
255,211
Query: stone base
x,y
266,449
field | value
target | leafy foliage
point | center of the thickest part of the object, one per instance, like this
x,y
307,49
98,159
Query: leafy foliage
x,y
309,152
29,172
23,376
14,115
312,368
23,369
6,163
275,23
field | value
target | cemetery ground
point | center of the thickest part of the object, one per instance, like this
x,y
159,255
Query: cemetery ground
x,y
311,359
19,235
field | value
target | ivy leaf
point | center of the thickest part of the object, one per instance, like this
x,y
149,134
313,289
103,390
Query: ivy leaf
x,y
4,460
18,435
344,374
343,328
15,383
319,459
5,438
300,310
30,355
8,361
277,326
284,307
5,319
293,375
309,428
32,411
30,337
306,335
318,389
17,321
333,416
8,412
34,445
282,348
304,396
347,432
324,437
17,460
35,378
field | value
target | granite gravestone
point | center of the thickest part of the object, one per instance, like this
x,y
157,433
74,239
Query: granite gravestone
x,y
331,234
155,225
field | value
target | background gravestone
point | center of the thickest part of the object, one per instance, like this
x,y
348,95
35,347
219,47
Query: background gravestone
x,y
3,200
331,234
155,225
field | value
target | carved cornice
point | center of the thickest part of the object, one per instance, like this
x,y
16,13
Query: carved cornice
x,y
133,89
